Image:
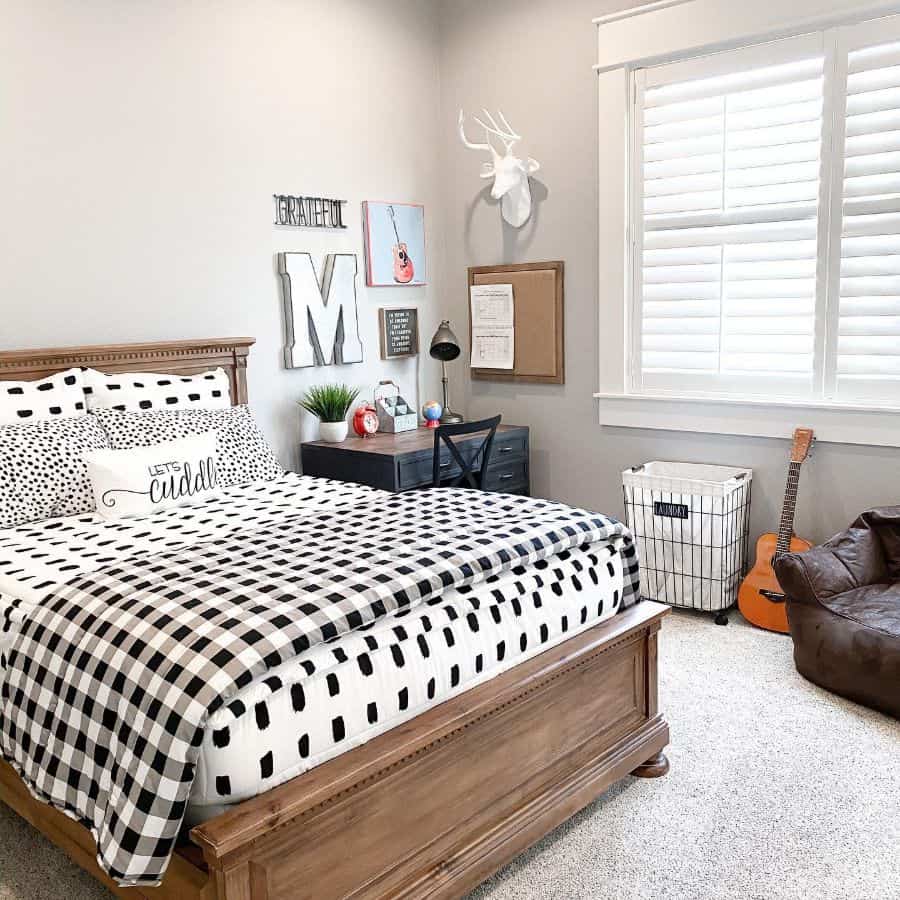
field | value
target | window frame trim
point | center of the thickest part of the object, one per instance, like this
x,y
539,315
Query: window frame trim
x,y
842,423
662,32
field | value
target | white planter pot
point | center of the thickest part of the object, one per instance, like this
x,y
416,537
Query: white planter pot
x,y
333,432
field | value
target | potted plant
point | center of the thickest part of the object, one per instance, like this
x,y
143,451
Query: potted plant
x,y
329,403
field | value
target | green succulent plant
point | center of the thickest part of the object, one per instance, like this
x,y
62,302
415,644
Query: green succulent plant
x,y
329,402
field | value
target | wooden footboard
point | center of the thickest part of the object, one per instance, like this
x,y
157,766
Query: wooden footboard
x,y
432,808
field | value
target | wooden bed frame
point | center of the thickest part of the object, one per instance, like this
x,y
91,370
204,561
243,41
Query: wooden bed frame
x,y
432,807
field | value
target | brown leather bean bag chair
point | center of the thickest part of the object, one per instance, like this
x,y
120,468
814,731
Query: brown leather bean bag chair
x,y
843,605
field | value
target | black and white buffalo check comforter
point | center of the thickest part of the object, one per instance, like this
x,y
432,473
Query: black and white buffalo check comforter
x,y
112,679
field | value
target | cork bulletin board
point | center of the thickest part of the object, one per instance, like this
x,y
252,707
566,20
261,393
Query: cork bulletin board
x,y
539,335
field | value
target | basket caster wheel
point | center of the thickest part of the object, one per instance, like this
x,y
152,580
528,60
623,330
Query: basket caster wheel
x,y
721,619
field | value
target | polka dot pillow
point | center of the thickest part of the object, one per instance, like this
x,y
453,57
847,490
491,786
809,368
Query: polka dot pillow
x,y
42,469
143,391
242,453
57,397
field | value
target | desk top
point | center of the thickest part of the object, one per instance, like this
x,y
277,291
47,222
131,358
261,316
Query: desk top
x,y
387,444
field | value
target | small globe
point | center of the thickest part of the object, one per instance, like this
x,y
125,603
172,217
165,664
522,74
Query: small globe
x,y
432,410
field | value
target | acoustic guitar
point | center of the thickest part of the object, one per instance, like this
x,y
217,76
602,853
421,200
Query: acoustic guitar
x,y
760,599
403,265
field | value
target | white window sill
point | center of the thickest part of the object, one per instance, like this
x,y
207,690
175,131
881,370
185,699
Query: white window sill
x,y
832,422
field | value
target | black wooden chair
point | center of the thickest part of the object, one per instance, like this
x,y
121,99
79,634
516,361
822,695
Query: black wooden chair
x,y
465,460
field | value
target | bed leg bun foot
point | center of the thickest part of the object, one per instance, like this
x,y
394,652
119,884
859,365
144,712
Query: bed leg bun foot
x,y
655,767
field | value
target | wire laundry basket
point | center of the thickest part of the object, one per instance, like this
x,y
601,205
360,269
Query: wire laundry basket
x,y
691,523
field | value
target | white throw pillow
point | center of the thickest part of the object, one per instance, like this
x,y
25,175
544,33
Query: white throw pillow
x,y
142,391
146,480
58,397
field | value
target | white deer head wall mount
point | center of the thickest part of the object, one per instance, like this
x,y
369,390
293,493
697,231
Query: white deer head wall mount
x,y
510,173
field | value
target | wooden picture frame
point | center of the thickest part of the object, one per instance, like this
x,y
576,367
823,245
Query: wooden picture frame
x,y
386,342
538,298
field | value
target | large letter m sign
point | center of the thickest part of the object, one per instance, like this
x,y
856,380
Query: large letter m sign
x,y
320,317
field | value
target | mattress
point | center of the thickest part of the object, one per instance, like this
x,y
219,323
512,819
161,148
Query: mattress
x,y
8,607
336,695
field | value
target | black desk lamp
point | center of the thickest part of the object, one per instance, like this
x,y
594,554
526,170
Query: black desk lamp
x,y
445,347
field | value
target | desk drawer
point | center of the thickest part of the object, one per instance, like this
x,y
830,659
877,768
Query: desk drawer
x,y
509,446
507,475
416,471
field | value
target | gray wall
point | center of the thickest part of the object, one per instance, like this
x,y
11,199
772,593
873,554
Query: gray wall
x,y
140,147
141,144
534,61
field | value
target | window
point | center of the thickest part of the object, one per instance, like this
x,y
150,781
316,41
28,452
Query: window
x,y
863,358
765,221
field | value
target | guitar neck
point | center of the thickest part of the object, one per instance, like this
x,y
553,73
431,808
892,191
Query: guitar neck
x,y
786,528
394,223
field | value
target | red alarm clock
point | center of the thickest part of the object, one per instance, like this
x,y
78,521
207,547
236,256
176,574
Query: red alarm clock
x,y
365,420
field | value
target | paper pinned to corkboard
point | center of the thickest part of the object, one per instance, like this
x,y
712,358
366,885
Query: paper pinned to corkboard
x,y
492,310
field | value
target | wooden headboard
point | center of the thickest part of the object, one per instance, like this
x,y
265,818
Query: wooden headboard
x,y
168,357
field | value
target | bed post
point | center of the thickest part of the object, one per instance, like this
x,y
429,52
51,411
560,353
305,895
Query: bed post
x,y
658,764
246,881
241,352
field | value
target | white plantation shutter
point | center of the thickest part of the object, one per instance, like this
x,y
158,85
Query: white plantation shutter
x,y
866,346
726,200
765,221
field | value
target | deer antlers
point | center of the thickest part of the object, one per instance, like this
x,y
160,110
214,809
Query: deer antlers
x,y
510,174
508,136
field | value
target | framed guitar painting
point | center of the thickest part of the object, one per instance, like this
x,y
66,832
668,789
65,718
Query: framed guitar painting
x,y
395,243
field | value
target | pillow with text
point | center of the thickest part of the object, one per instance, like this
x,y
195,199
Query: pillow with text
x,y
147,480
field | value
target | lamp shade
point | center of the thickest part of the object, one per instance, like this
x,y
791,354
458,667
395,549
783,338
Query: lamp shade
x,y
444,345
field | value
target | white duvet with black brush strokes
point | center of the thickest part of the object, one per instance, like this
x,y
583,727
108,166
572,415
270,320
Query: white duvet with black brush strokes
x,y
167,639
282,725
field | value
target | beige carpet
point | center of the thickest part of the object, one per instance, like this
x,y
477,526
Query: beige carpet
x,y
778,791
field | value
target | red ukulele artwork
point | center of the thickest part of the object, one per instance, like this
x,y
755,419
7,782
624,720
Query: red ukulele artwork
x,y
403,265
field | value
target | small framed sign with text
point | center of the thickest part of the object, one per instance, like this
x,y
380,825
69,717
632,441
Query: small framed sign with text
x,y
399,332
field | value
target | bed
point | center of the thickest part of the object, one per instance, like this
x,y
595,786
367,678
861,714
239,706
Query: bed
x,y
479,760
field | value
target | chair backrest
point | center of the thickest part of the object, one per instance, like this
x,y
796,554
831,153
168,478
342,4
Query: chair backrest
x,y
466,461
